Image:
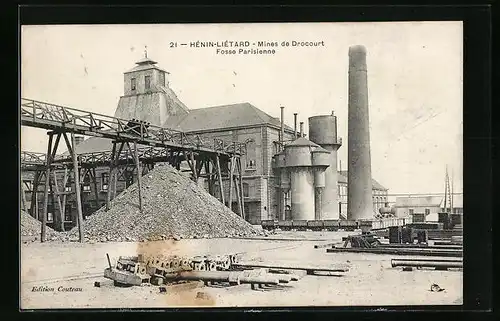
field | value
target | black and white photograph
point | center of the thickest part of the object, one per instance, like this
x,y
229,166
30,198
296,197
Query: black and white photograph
x,y
222,165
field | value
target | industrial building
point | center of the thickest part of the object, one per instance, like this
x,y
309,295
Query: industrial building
x,y
285,174
427,208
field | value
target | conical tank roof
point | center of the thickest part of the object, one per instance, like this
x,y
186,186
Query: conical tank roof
x,y
319,149
300,142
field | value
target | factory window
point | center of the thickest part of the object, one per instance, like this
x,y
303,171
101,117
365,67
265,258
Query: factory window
x,y
147,82
410,211
427,211
86,183
251,154
132,84
246,190
50,213
104,181
251,164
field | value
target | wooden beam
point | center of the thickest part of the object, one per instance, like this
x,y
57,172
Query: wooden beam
x,y
190,163
60,219
46,192
34,198
219,174
116,166
209,177
231,172
137,165
96,192
194,165
77,189
65,182
238,196
23,197
240,174
110,173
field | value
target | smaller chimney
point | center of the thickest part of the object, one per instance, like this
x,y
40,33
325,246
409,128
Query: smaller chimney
x,y
282,130
301,129
295,125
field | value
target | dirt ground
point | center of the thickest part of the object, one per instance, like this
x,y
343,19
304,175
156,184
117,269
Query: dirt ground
x,y
371,281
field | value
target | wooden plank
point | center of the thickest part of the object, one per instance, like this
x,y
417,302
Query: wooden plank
x,y
77,189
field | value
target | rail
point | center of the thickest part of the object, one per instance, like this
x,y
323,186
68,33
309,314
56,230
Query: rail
x,y
54,117
152,154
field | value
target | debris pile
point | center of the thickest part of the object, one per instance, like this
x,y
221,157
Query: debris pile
x,y
173,207
30,226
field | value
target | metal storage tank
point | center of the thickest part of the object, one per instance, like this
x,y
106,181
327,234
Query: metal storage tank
x,y
320,161
323,131
285,176
298,163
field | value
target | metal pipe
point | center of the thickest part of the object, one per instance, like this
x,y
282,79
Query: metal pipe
x,y
295,125
441,259
331,268
109,261
223,276
421,246
448,243
217,276
423,252
282,130
429,263
301,129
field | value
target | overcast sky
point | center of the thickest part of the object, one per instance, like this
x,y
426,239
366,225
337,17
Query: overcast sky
x,y
414,81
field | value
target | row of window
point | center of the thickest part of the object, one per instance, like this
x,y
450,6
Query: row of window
x,y
411,211
147,82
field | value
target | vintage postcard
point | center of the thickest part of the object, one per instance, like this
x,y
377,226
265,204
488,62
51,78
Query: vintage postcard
x,y
241,165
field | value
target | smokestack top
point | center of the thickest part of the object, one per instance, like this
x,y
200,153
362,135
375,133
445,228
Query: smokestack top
x,y
357,49
357,58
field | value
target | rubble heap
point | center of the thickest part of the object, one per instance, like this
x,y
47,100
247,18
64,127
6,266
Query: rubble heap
x,y
173,207
30,226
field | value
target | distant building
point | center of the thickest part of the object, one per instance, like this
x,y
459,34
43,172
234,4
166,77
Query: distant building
x,y
426,208
379,192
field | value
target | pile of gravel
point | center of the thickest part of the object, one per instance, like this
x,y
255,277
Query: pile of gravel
x,y
173,207
30,226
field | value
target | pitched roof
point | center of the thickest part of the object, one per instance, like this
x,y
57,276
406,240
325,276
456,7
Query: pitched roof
x,y
93,145
144,64
301,141
226,116
430,201
342,178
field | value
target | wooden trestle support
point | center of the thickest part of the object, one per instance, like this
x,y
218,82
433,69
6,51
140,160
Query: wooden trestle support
x,y
44,174
215,168
220,160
